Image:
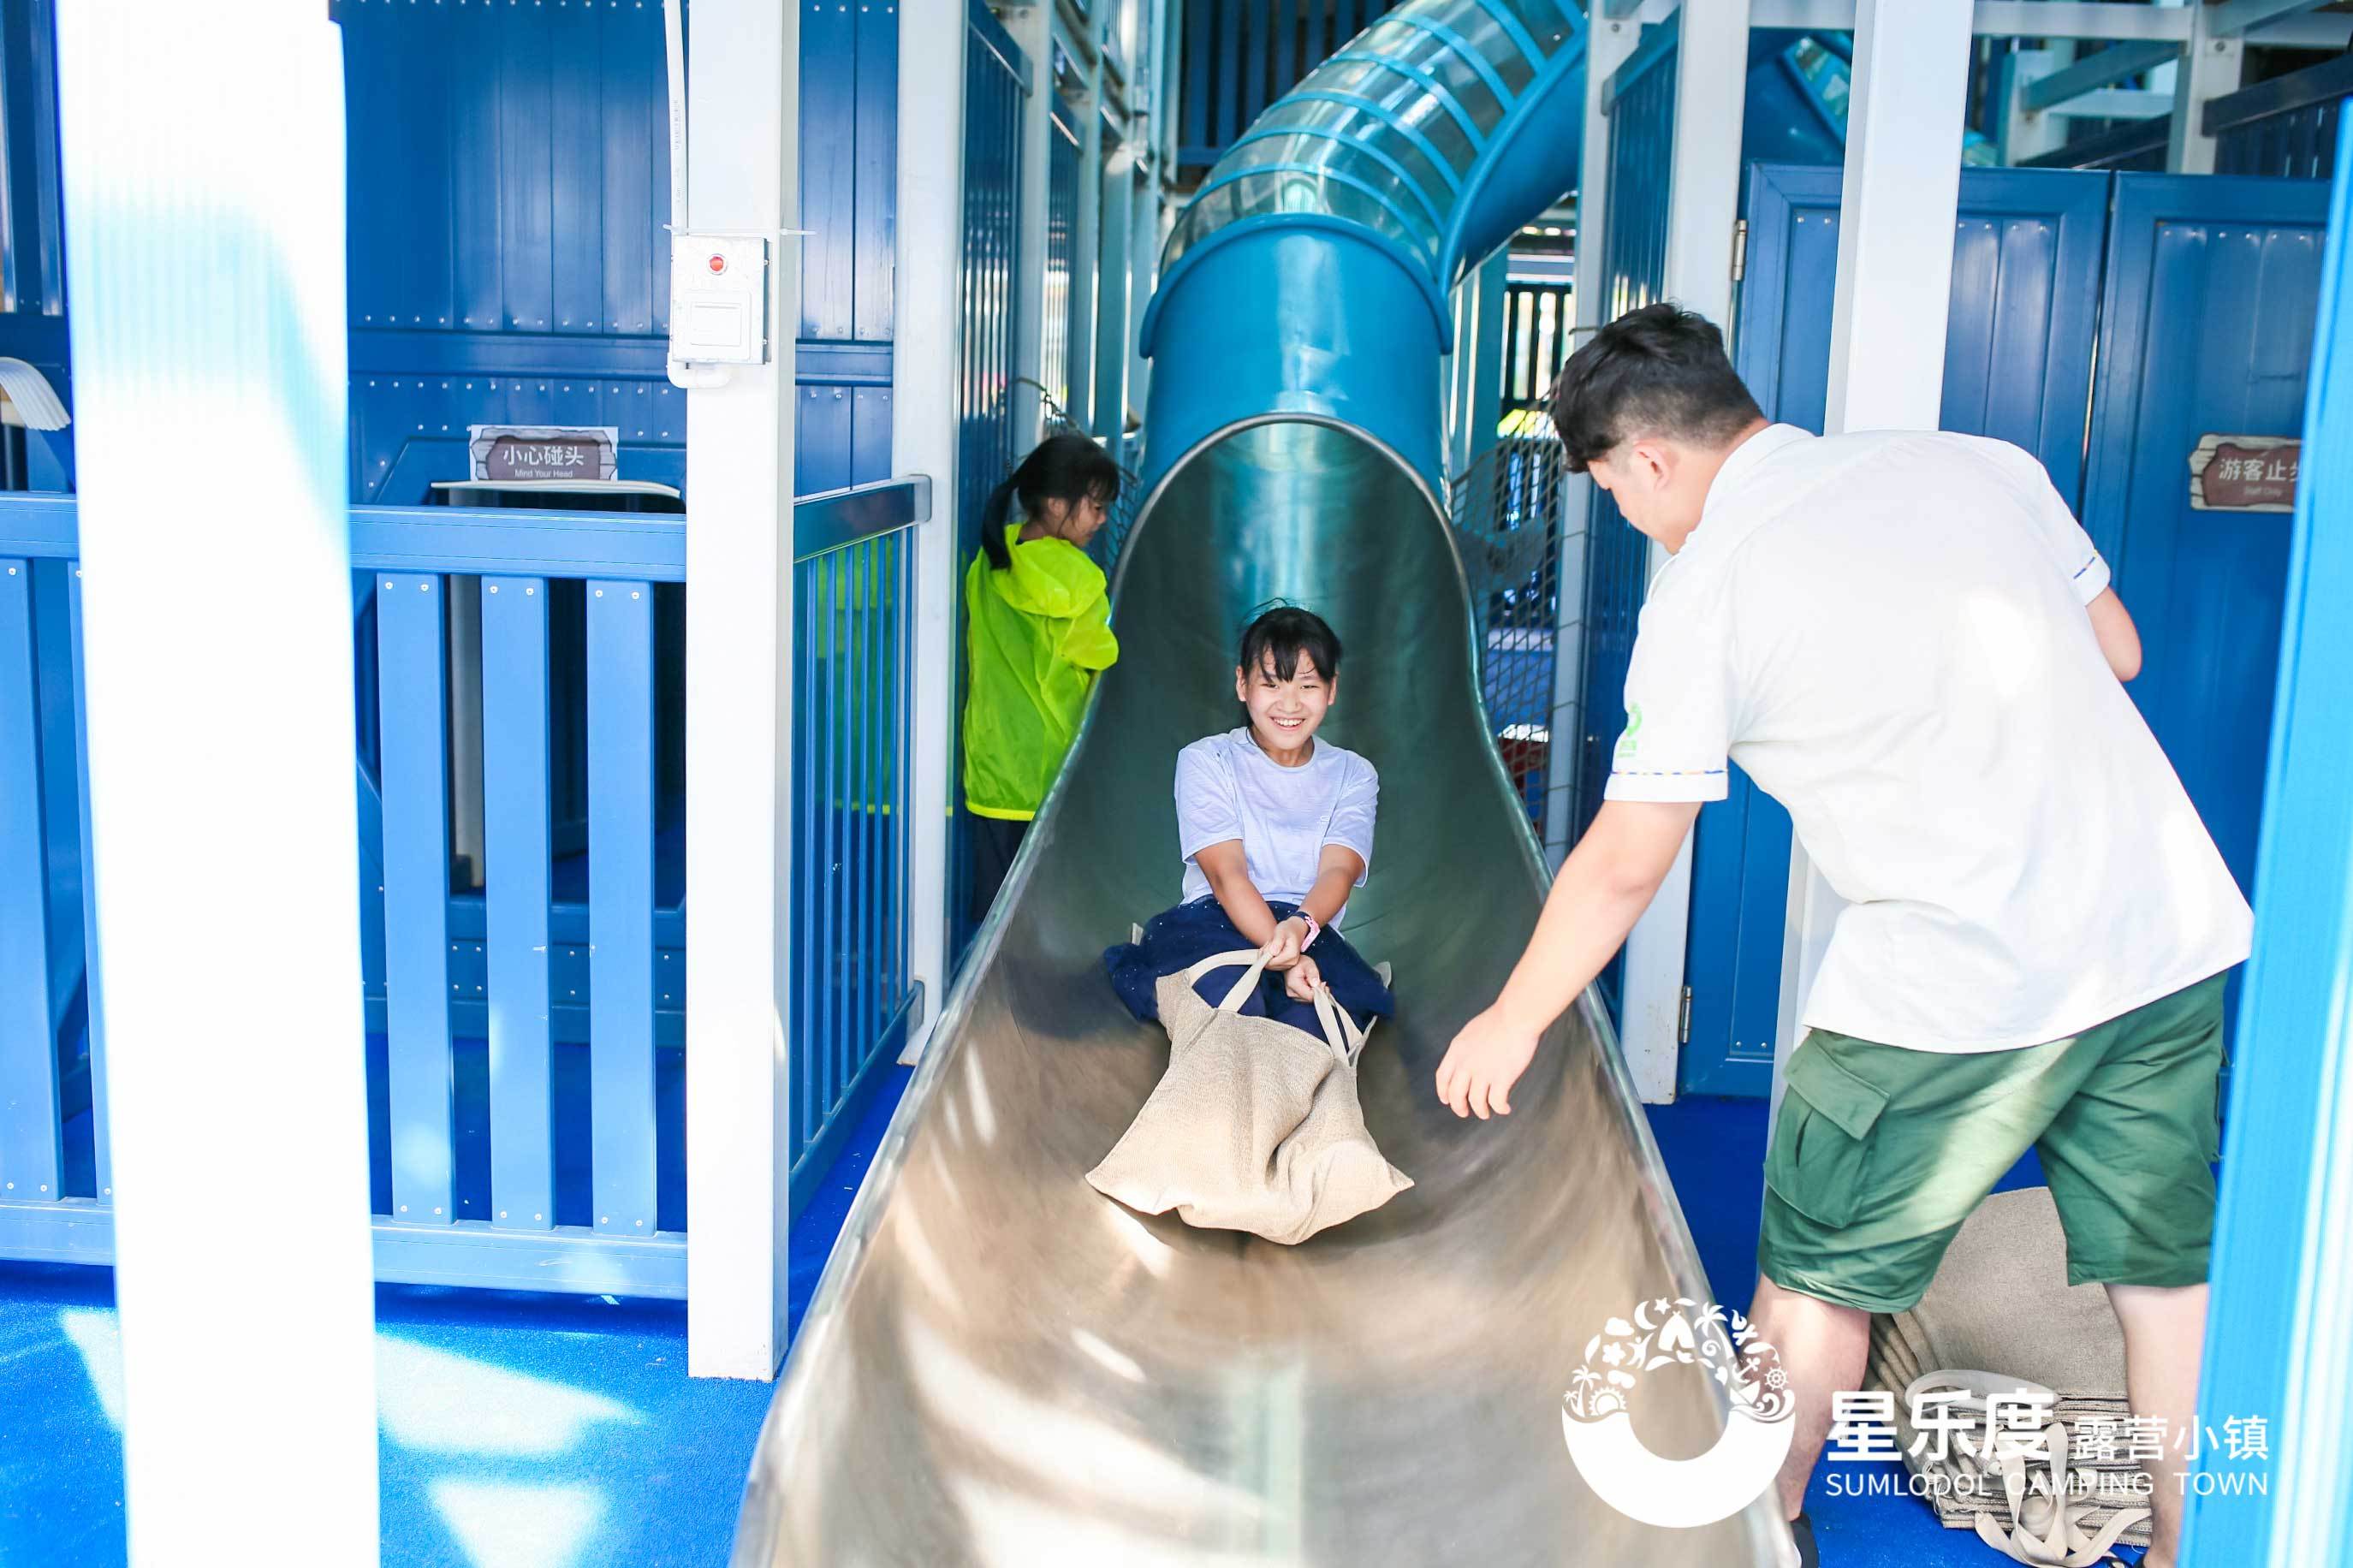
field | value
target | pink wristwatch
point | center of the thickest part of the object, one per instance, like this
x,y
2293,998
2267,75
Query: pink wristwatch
x,y
1315,929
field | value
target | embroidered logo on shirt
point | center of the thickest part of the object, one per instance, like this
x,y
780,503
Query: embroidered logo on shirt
x,y
1626,742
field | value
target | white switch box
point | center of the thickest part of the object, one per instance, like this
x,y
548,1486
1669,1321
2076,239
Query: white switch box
x,y
718,298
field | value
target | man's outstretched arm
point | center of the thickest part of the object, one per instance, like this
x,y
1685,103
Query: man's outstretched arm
x,y
1604,886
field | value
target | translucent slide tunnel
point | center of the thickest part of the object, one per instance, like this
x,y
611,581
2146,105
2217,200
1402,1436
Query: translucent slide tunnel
x,y
1003,1367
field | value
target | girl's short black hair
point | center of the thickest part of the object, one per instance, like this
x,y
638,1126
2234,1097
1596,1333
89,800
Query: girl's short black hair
x,y
1658,371
1286,634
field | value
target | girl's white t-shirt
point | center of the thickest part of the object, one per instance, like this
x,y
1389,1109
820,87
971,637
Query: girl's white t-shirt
x,y
1227,788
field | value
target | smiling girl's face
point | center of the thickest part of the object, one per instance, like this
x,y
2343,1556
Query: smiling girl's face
x,y
1284,714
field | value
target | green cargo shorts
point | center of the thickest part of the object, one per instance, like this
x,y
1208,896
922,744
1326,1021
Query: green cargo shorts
x,y
1879,1152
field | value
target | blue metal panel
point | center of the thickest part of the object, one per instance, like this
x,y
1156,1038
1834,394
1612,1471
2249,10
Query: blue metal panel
x,y
31,1150
822,446
2018,364
2206,325
515,899
102,1122
830,128
413,673
2281,1315
622,903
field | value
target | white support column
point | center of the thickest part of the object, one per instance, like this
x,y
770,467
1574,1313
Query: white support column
x,y
744,121
925,360
1086,246
1116,314
1143,270
1896,218
1608,46
204,211
1031,27
2213,64
1711,96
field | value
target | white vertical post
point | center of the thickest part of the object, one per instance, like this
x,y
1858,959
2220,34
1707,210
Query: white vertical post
x,y
743,124
2213,64
1711,96
1116,267
203,207
925,419
1031,27
1897,216
1608,44
1086,241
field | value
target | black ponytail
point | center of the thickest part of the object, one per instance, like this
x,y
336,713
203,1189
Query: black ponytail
x,y
1067,468
992,525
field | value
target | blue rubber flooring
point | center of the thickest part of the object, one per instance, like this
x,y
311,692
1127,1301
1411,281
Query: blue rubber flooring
x,y
516,1430
530,1431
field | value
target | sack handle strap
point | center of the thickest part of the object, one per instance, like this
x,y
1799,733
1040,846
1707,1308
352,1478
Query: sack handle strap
x,y
1346,1041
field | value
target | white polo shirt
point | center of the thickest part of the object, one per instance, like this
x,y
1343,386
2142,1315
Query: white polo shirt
x,y
1888,632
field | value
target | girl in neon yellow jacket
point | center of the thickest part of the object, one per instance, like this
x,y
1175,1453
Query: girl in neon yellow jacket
x,y
1037,632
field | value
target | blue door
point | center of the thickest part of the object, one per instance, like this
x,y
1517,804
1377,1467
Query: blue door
x,y
2206,328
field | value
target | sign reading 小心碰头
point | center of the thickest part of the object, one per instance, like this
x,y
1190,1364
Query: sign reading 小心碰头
x,y
508,453
2244,473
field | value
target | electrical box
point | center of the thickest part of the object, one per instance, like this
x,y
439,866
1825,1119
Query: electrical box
x,y
718,298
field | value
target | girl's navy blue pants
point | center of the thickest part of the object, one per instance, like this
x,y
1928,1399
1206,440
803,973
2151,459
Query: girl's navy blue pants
x,y
1178,939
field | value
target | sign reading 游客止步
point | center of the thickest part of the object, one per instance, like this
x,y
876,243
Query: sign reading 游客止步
x,y
509,454
2244,473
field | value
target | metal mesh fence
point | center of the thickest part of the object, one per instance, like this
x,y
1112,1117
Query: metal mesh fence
x,y
1525,575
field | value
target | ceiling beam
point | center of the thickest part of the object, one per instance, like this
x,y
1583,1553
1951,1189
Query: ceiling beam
x,y
2106,68
2235,18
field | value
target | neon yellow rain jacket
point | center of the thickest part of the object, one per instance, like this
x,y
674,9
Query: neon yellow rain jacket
x,y
1037,633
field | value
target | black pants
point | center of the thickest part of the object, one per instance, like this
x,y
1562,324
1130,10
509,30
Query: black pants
x,y
995,842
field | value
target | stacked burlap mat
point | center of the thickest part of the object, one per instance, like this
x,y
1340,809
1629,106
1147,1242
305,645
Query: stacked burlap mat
x,y
1998,1317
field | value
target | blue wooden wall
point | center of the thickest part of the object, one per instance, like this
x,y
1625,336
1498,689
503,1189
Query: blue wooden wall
x,y
509,188
32,260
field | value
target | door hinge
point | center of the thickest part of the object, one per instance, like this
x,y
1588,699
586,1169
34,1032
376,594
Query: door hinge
x,y
1682,1020
1739,249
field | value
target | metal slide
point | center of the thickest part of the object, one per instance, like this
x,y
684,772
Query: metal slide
x,y
1002,1366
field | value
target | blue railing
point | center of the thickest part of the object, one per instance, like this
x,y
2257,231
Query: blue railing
x,y
526,1012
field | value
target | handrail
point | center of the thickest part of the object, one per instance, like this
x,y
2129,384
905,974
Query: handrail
x,y
837,519
2282,95
525,543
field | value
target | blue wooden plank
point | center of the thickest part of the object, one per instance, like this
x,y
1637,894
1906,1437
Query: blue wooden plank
x,y
31,1136
869,435
576,176
413,682
828,167
621,904
102,1121
635,168
477,268
526,154
874,221
821,449
515,900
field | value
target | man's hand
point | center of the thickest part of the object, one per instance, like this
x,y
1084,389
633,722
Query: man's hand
x,y
1283,948
1483,1063
1303,980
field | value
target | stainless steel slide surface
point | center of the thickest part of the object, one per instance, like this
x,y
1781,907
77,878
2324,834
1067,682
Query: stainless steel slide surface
x,y
1004,1367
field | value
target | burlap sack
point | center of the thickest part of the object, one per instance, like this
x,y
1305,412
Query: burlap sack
x,y
2001,1300
1255,1126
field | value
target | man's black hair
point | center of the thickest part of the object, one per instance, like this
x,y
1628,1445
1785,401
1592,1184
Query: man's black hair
x,y
1285,634
1658,371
